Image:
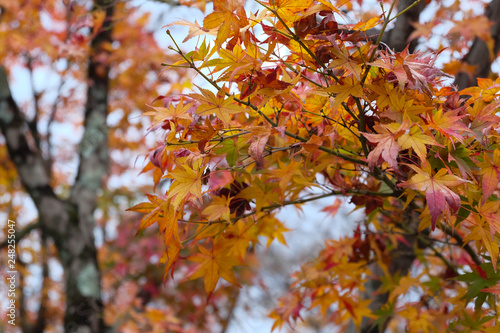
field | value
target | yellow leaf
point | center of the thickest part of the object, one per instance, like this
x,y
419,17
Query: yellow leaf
x,y
218,208
350,87
186,181
216,104
363,26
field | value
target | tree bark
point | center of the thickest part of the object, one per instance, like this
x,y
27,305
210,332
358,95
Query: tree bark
x,y
70,222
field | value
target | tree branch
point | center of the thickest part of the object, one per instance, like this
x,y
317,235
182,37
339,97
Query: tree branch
x,y
397,37
28,159
460,242
478,51
33,124
22,233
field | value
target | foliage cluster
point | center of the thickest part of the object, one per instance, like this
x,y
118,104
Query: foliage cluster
x,y
299,107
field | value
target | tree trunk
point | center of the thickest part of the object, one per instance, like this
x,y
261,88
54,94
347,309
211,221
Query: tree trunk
x,y
69,222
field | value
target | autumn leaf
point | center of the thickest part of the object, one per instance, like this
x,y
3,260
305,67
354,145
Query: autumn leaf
x,y
494,290
345,60
290,9
448,124
159,210
285,173
170,257
288,309
212,265
332,209
170,113
491,174
411,69
370,24
152,210
259,141
194,29
237,238
349,87
186,180
480,231
223,19
216,104
387,146
416,139
272,228
489,212
218,209
436,188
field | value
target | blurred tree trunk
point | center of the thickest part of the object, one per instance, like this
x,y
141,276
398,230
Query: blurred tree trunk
x,y
69,222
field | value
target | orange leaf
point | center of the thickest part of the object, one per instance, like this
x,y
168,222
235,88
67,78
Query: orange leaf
x,y
161,114
213,264
218,208
491,174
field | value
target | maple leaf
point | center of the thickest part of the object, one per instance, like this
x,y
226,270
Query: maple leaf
x,y
186,181
194,29
290,10
371,23
218,208
357,310
480,231
272,228
348,87
387,147
345,60
161,211
415,70
436,188
237,238
224,19
285,173
461,156
448,124
213,264
416,139
494,290
216,104
489,211
483,117
332,209
162,114
256,149
234,60
491,174
170,256
288,309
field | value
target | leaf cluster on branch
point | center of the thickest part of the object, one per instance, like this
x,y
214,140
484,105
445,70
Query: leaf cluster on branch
x,y
298,107
301,108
